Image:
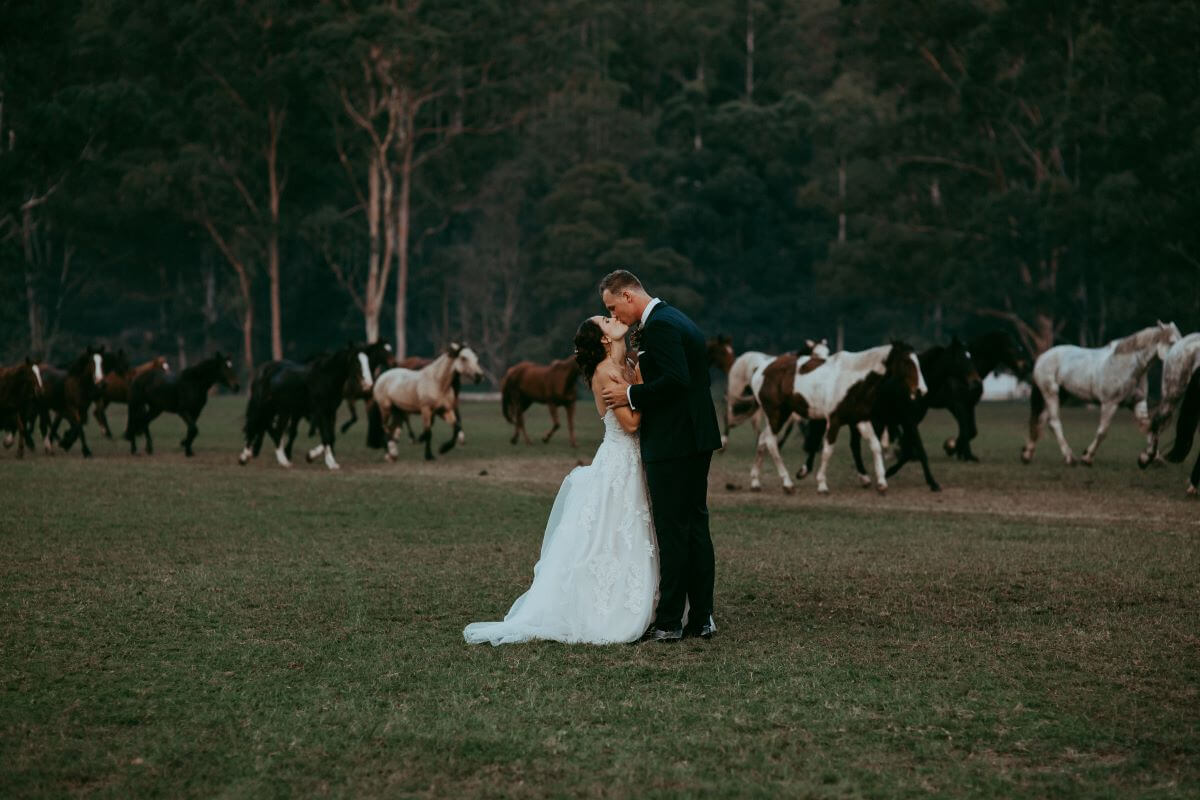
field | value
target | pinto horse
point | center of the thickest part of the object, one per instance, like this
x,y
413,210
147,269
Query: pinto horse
x,y
740,402
1112,375
67,394
118,377
184,394
554,384
284,392
841,390
427,391
1181,363
20,389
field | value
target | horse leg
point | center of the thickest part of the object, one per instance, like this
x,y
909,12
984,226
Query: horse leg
x,y
1055,423
327,422
759,449
554,420
1107,410
864,480
831,431
461,438
456,428
77,422
353,415
1195,479
914,447
772,445
1037,418
867,430
521,423
190,420
968,430
427,432
814,432
101,417
571,423
150,417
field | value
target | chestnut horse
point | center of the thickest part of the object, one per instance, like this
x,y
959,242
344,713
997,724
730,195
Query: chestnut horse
x,y
527,383
118,377
67,394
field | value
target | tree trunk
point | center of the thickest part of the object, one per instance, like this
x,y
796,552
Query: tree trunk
x,y
406,170
749,50
243,275
275,124
35,325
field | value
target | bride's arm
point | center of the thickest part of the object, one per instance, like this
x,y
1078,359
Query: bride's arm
x,y
627,418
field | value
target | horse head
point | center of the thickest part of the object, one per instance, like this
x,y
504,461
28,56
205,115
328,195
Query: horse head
x,y
961,364
817,349
380,356
225,373
903,365
466,363
35,375
359,364
720,352
1168,334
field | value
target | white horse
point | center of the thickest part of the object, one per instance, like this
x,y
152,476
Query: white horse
x,y
428,391
1109,375
840,390
740,401
1183,359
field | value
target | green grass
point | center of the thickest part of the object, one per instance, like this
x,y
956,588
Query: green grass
x,y
185,627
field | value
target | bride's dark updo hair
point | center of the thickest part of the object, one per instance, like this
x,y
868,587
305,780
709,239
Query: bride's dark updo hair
x,y
589,350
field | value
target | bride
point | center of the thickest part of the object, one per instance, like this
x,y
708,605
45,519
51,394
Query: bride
x,y
597,576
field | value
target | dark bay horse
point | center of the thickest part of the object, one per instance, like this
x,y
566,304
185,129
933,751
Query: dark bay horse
x,y
118,377
989,352
285,392
20,389
379,358
554,384
720,352
185,394
67,395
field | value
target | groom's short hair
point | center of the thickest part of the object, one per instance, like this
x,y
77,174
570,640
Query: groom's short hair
x,y
618,281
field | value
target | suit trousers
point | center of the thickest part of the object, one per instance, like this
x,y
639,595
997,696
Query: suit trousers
x,y
679,504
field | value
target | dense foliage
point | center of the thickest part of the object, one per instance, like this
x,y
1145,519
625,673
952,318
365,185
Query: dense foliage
x,y
271,177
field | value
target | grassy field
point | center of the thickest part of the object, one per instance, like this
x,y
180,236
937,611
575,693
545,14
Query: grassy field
x,y
184,627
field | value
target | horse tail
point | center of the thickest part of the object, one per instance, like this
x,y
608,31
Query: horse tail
x,y
375,434
1037,402
1189,417
510,395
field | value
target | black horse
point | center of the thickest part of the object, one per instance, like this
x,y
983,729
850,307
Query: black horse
x,y
989,352
184,394
379,358
1185,431
67,395
285,392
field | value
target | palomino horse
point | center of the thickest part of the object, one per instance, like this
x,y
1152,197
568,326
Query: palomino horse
x,y
20,388
284,392
417,363
1109,375
185,394
428,391
67,394
118,377
1182,361
1185,431
740,403
554,384
841,390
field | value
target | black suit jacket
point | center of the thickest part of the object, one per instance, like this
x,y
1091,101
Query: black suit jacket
x,y
678,418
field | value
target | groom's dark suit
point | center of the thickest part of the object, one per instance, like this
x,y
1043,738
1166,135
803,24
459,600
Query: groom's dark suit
x,y
679,431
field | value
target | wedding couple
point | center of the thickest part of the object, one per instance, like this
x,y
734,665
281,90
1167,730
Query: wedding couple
x,y
632,528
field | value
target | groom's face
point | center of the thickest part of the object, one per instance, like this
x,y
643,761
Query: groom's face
x,y
622,305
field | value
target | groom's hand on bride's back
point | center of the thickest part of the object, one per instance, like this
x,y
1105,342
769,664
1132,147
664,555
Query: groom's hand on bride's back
x,y
616,394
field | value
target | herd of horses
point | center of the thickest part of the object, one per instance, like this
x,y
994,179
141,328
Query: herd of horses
x,y
881,395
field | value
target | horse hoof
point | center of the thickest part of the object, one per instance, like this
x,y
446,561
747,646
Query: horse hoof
x,y
789,489
1026,457
802,473
949,448
1087,462
1191,490
864,481
1144,460
756,487
933,487
823,490
881,488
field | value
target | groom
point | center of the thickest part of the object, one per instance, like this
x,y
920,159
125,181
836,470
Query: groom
x,y
679,433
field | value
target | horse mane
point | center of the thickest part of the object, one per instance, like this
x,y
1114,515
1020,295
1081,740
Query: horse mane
x,y
1138,341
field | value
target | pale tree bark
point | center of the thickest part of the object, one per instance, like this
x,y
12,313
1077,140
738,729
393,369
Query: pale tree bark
x,y
242,271
275,119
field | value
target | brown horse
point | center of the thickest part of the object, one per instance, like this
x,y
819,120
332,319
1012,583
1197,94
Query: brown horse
x,y
115,388
553,384
20,388
67,394
720,353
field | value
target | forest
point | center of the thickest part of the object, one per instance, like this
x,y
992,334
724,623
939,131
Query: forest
x,y
273,178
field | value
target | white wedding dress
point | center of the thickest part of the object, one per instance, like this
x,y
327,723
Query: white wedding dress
x,y
597,577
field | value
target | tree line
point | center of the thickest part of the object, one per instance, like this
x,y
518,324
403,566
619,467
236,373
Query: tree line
x,y
275,177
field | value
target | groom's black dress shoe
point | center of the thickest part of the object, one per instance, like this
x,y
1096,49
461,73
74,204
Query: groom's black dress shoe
x,y
662,635
705,631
